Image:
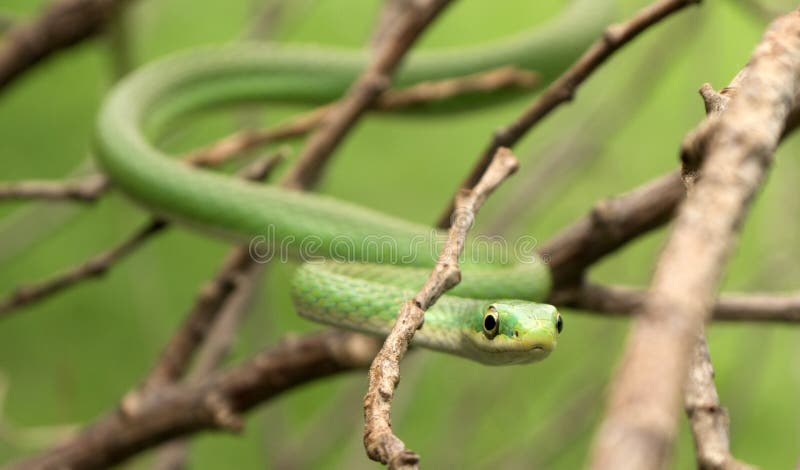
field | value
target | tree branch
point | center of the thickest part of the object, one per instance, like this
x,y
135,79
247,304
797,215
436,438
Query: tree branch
x,y
707,417
100,263
564,88
610,224
375,80
63,24
90,188
379,440
212,403
639,426
87,189
94,267
626,301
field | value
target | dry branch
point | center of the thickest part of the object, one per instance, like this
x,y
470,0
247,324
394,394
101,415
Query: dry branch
x,y
390,13
707,417
100,263
82,190
63,24
639,428
375,80
586,137
609,225
176,355
94,267
90,188
212,403
626,301
332,123
379,440
564,88
212,354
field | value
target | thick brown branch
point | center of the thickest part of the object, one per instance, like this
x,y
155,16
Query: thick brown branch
x,y
390,13
381,443
375,80
639,428
564,88
213,403
609,225
61,25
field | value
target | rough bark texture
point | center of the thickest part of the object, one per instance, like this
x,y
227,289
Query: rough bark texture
x,y
384,374
639,427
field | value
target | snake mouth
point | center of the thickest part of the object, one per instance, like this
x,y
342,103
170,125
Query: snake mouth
x,y
506,352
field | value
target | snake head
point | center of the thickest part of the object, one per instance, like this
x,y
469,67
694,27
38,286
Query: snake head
x,y
515,332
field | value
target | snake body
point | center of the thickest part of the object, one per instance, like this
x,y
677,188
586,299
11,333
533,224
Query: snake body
x,y
359,296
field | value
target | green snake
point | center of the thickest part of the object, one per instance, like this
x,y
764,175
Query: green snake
x,y
491,317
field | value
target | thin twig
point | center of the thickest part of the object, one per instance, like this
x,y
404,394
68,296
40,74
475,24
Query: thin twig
x,y
215,402
94,267
90,188
213,296
375,80
86,189
626,301
564,88
211,356
335,123
586,137
62,25
707,417
694,145
118,40
639,427
101,262
176,355
756,9
381,443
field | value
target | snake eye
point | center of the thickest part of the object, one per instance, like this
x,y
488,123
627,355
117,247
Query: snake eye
x,y
491,323
559,323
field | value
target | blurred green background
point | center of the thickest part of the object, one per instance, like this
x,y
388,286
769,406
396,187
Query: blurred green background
x,y
68,359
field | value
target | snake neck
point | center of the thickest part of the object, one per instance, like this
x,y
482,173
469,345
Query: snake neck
x,y
370,307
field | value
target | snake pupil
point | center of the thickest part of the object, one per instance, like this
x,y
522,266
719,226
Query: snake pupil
x,y
489,323
559,324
